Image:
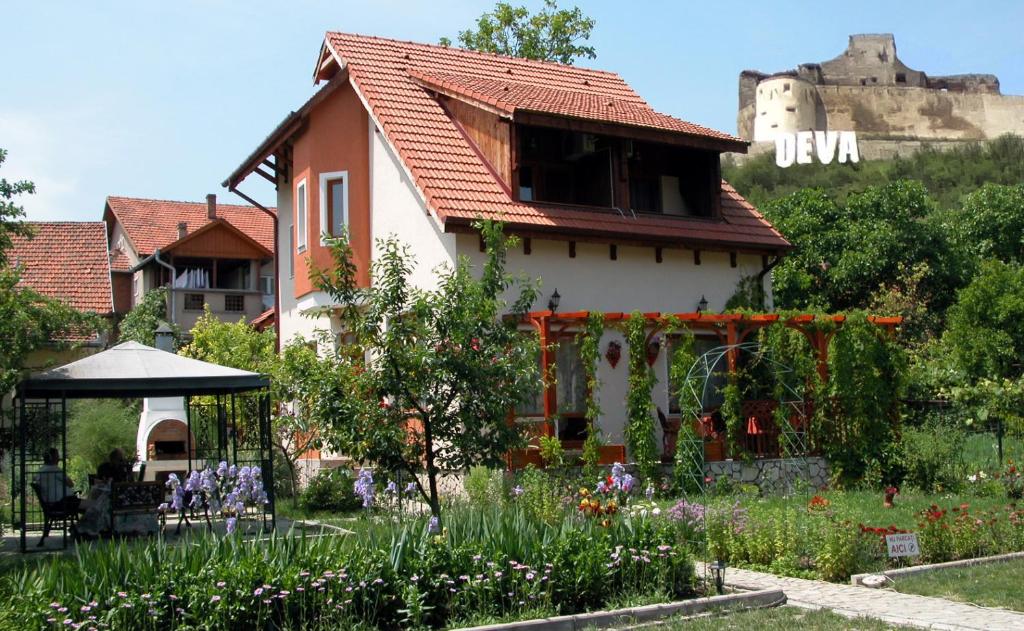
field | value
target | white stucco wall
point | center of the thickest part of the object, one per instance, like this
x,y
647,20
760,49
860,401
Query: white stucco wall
x,y
396,209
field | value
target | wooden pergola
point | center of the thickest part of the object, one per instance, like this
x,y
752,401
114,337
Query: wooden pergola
x,y
731,329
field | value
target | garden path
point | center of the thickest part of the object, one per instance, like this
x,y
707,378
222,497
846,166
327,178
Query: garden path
x,y
893,607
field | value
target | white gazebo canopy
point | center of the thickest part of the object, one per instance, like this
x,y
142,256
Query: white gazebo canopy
x,y
132,370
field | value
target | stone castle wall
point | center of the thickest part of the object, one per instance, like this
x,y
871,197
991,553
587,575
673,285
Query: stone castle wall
x,y
867,89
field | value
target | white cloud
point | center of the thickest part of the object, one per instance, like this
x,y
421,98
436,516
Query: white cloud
x,y
57,151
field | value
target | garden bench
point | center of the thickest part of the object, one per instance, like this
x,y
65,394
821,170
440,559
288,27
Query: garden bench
x,y
135,498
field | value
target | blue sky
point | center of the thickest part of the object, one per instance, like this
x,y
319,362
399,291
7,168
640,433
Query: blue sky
x,y
163,100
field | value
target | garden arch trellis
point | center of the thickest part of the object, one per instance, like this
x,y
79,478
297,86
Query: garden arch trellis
x,y
791,416
227,413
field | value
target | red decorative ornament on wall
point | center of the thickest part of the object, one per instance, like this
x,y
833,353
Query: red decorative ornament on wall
x,y
613,353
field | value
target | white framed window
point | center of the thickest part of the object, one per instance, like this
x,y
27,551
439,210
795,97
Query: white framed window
x,y
333,204
301,207
291,251
266,285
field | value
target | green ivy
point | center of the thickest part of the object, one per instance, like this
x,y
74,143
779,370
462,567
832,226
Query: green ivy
x,y
589,342
639,426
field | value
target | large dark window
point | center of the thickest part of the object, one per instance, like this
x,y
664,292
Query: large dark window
x,y
565,167
572,167
672,180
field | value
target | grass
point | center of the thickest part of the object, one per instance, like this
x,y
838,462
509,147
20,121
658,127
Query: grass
x,y
981,451
778,619
989,585
866,507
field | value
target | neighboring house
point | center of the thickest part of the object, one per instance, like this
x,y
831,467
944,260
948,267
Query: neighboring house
x,y
207,254
66,261
619,207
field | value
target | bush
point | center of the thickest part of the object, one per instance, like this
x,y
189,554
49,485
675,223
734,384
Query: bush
x,y
933,458
485,487
97,427
330,490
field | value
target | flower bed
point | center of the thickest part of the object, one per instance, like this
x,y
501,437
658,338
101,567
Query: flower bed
x,y
483,563
831,537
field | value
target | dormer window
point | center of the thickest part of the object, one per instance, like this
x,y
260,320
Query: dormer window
x,y
565,166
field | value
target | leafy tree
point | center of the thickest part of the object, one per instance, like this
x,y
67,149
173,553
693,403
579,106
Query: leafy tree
x,y
141,322
240,345
552,34
990,224
10,212
846,251
28,320
429,377
985,333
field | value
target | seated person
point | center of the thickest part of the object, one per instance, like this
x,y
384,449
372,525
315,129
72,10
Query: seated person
x,y
54,485
115,469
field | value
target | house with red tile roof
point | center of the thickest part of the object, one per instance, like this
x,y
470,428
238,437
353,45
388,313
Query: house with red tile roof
x,y
619,207
66,261
206,254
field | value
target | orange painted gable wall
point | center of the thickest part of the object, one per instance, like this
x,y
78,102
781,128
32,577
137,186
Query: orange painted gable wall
x,y
336,139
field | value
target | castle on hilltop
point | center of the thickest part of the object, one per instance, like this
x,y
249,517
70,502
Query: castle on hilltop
x,y
867,89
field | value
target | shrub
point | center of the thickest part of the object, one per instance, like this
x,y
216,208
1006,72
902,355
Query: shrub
x,y
485,487
330,490
933,458
95,428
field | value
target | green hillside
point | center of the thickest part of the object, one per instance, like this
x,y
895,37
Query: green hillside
x,y
947,175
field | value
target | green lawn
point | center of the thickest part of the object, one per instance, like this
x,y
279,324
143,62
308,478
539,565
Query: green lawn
x,y
989,585
778,619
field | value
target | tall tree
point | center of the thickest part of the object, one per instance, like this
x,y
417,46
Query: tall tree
x,y
845,252
551,34
427,379
28,320
292,373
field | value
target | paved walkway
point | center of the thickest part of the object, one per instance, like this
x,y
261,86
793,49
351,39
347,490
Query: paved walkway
x,y
893,607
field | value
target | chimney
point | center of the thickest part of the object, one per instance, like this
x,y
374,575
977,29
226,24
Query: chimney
x,y
211,206
182,229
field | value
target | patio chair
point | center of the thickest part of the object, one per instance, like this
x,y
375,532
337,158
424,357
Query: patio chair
x,y
52,512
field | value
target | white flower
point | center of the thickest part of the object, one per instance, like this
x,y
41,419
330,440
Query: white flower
x,y
656,511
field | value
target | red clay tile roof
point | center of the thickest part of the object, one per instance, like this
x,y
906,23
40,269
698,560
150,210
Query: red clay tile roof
x,y
511,96
459,186
264,320
119,261
67,261
153,223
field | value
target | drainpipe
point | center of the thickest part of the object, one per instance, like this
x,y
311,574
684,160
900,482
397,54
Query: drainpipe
x,y
760,278
156,257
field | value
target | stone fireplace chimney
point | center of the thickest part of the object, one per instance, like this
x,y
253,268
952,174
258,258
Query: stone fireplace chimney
x,y
211,206
182,229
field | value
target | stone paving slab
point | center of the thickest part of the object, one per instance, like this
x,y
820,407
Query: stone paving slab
x,y
893,607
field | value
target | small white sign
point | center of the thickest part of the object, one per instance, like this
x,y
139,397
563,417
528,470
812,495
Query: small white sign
x,y
902,545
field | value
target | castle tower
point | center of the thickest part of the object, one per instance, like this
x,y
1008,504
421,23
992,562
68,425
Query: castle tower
x,y
788,104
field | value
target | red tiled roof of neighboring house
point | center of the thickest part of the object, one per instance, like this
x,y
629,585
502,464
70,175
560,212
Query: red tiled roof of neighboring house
x,y
67,261
458,185
153,223
512,96
264,320
119,261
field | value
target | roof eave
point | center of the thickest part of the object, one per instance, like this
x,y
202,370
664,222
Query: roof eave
x,y
465,225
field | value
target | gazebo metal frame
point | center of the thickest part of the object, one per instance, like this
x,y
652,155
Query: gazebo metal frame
x,y
220,403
